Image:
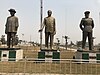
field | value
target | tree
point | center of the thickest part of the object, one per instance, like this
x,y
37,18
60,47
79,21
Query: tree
x,y
3,39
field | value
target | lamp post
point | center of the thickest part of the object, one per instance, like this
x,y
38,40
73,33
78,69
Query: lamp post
x,y
41,18
66,41
23,38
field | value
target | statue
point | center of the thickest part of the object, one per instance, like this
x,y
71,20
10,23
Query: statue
x,y
11,28
87,25
50,29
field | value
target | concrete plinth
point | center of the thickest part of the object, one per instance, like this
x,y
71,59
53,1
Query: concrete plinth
x,y
48,54
11,54
91,55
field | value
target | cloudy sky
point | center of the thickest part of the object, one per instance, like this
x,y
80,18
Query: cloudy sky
x,y
68,14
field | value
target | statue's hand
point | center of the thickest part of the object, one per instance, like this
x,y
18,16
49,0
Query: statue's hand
x,y
40,30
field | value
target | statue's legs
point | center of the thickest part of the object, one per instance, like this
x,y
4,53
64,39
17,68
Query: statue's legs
x,y
90,40
85,34
8,39
13,38
47,35
51,40
46,39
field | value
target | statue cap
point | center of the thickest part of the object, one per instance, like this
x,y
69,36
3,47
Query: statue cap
x,y
87,12
12,10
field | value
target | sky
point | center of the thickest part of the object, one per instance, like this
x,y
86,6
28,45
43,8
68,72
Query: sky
x,y
67,13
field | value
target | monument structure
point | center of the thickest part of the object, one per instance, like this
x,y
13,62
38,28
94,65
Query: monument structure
x,y
11,27
87,25
50,30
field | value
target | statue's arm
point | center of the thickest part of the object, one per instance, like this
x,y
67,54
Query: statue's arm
x,y
6,22
43,25
92,24
17,23
81,25
54,26
6,26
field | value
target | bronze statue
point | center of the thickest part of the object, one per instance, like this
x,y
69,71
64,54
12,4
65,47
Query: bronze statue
x,y
86,25
11,28
50,29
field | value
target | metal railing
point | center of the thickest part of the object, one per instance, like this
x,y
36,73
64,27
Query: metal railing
x,y
30,66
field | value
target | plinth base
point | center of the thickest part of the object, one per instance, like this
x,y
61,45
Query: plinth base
x,y
11,54
49,55
88,55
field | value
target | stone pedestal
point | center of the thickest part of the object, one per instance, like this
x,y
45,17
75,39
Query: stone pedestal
x,y
88,55
11,54
48,54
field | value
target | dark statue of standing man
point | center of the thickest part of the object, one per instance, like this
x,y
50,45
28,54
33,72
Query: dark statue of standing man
x,y
87,25
11,28
50,29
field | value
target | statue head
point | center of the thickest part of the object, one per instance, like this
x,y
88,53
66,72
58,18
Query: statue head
x,y
12,12
87,14
49,13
